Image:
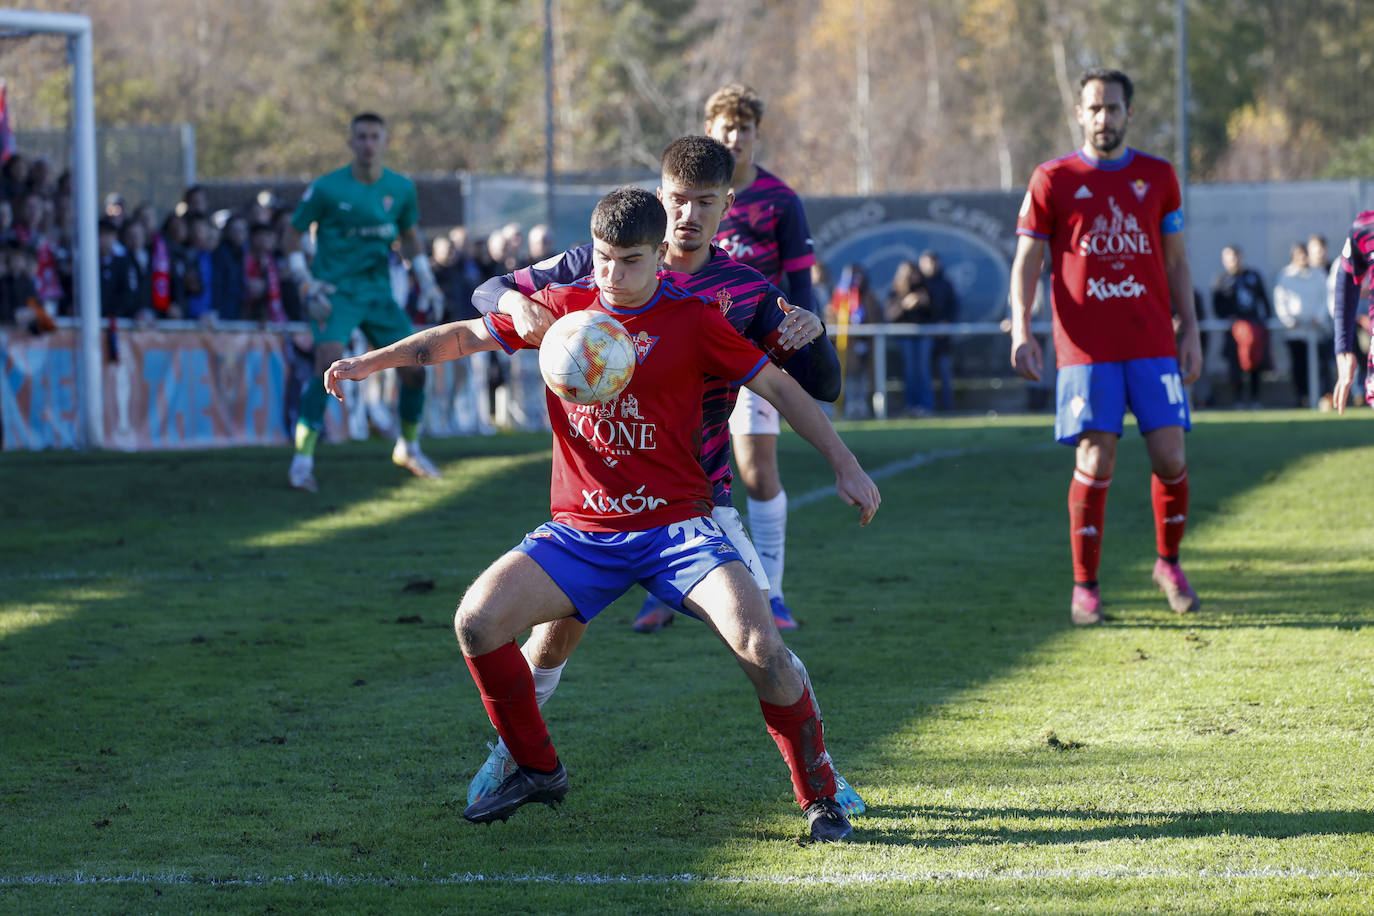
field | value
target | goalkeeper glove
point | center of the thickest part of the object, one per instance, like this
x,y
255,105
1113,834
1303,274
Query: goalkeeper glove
x,y
431,298
314,293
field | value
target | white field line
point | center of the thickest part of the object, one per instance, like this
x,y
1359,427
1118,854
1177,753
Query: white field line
x,y
81,879
139,575
906,464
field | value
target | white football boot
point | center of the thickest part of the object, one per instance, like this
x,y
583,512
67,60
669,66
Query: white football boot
x,y
408,455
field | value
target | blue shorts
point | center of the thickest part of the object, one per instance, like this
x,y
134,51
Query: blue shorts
x,y
593,568
1095,396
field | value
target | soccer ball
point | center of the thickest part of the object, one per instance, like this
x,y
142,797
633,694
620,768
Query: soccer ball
x,y
587,357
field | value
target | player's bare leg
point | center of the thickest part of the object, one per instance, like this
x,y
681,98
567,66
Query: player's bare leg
x,y
730,603
1094,462
301,475
1169,498
756,457
512,594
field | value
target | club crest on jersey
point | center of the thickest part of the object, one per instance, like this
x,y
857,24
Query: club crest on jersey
x,y
724,300
643,344
1140,187
387,201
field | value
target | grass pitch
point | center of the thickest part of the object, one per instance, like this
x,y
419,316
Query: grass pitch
x,y
218,695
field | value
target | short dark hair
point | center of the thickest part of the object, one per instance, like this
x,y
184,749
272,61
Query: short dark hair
x,y
698,162
366,117
628,217
1106,75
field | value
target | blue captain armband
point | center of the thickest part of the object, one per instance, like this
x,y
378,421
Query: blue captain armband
x,y
1172,222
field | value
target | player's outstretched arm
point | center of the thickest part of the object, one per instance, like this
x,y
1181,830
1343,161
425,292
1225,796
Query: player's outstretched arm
x,y
1345,309
502,294
532,320
510,293
1026,357
438,344
1181,293
1345,378
854,486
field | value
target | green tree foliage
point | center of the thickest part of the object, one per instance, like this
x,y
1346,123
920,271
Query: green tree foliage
x,y
899,94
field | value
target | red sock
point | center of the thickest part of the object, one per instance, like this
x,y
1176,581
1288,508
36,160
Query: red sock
x,y
507,688
1170,500
796,730
1087,512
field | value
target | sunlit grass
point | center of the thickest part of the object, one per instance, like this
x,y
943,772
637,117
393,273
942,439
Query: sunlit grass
x,y
16,619
407,500
222,695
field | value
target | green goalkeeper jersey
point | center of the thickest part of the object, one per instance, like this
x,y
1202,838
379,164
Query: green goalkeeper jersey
x,y
357,223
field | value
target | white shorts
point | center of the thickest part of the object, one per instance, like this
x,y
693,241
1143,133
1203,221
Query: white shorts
x,y
753,416
729,521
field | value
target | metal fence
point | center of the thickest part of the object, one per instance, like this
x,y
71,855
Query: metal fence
x,y
151,163
1212,364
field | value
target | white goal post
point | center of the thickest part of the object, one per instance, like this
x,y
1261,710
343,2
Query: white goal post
x,y
77,30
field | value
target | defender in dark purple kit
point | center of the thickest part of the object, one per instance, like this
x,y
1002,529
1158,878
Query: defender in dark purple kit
x,y
765,228
695,193
1357,258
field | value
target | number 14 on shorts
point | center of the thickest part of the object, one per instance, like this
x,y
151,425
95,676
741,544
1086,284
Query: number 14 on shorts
x,y
1173,387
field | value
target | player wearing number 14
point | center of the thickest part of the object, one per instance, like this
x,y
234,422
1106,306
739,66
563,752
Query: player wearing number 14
x,y
1112,219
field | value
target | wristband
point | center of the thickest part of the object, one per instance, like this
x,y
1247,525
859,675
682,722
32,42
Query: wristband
x,y
295,263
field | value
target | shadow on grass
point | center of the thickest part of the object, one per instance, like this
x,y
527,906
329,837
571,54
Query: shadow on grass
x,y
944,826
229,650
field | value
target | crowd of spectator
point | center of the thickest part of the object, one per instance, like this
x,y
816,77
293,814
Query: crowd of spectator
x,y
1301,298
36,235
204,265
195,263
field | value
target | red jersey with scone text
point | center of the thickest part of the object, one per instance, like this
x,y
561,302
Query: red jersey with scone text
x,y
1105,222
633,463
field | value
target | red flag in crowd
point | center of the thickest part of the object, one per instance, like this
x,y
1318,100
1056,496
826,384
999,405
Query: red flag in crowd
x,y
48,283
6,135
162,275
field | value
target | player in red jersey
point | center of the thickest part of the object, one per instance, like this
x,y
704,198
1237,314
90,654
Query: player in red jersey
x,y
766,229
695,191
1112,219
631,503
1357,259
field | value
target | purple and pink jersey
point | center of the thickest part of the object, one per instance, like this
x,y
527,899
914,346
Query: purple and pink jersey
x,y
766,229
748,302
1357,264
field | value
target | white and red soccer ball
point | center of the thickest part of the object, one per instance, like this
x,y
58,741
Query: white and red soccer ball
x,y
587,357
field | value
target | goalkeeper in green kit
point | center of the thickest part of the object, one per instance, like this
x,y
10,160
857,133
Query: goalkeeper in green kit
x,y
358,211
